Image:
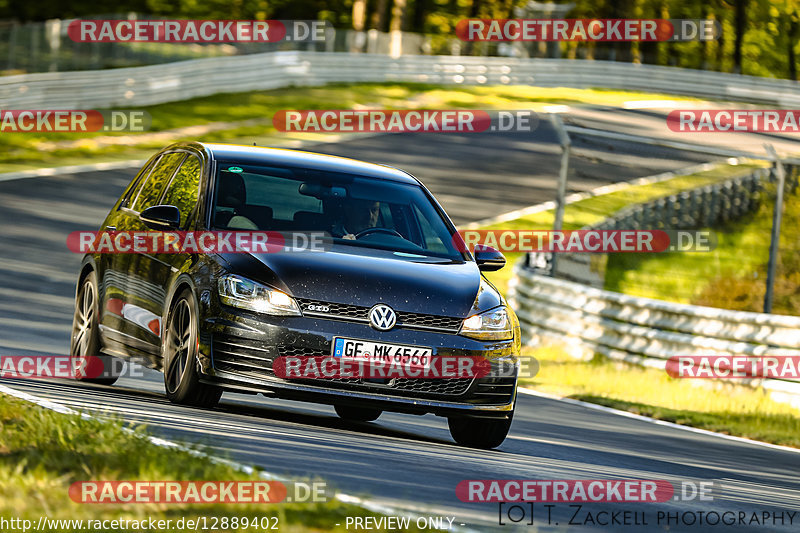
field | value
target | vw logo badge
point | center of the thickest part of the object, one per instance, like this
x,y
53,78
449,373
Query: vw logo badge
x,y
382,317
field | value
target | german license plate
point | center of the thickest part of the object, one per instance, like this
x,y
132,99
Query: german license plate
x,y
368,351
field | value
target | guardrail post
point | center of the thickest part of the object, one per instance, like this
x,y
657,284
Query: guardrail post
x,y
776,228
566,144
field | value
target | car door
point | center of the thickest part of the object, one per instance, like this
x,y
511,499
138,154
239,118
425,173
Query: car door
x,y
135,303
112,268
160,269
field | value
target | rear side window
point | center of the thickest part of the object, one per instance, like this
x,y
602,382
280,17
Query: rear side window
x,y
138,181
158,179
433,241
183,190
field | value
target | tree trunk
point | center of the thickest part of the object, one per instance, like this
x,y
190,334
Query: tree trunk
x,y
396,28
720,60
420,14
474,12
740,24
790,46
398,14
359,14
359,21
378,21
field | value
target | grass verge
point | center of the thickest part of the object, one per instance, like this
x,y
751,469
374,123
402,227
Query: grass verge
x,y
246,117
42,452
594,209
716,406
732,276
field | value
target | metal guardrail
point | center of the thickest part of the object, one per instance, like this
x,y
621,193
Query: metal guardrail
x,y
644,331
46,46
575,312
156,84
695,208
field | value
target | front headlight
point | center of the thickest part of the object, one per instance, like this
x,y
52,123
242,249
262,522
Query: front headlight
x,y
245,294
492,325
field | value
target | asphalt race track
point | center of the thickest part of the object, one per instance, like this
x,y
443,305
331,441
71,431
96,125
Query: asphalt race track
x,y
405,461
410,462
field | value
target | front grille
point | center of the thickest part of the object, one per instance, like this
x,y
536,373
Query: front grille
x,y
453,387
356,313
242,356
403,386
419,320
494,390
252,359
291,350
339,310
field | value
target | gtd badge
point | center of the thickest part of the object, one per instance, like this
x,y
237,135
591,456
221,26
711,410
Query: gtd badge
x,y
318,308
382,317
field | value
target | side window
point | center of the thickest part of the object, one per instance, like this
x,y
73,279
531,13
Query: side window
x,y
183,190
137,183
386,216
432,241
158,179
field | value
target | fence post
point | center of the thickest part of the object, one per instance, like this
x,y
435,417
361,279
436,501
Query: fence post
x,y
776,229
566,143
12,46
53,38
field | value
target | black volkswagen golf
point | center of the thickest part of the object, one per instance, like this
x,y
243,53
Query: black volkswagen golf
x,y
392,275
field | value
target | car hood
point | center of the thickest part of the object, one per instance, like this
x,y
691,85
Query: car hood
x,y
439,287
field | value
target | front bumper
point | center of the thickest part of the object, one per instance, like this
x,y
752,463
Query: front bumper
x,y
237,349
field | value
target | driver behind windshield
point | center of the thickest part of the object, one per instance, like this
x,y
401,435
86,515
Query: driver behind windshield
x,y
357,216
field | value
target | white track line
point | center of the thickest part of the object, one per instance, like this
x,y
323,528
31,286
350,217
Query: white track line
x,y
136,163
74,169
367,504
604,189
611,410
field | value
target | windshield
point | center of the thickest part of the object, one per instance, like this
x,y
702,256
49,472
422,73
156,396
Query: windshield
x,y
355,211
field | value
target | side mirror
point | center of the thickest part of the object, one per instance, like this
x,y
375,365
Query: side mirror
x,y
161,217
489,259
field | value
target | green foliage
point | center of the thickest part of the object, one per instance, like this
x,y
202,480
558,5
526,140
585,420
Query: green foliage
x,y
770,39
732,276
247,117
42,452
744,291
708,404
594,209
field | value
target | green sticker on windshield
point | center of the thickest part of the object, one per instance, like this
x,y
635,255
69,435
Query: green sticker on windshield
x,y
235,169
406,254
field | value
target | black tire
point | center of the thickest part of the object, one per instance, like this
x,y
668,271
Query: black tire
x,y
179,353
483,433
84,346
357,414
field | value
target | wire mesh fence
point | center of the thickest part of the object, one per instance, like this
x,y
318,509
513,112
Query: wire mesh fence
x,y
738,211
47,47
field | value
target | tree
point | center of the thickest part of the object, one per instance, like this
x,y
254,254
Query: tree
x,y
741,27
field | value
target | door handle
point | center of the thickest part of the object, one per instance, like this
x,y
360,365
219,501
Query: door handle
x,y
111,228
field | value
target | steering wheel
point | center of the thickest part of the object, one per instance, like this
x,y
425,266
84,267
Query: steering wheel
x,y
370,231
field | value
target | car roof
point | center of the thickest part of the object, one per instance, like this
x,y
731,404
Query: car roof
x,y
260,155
